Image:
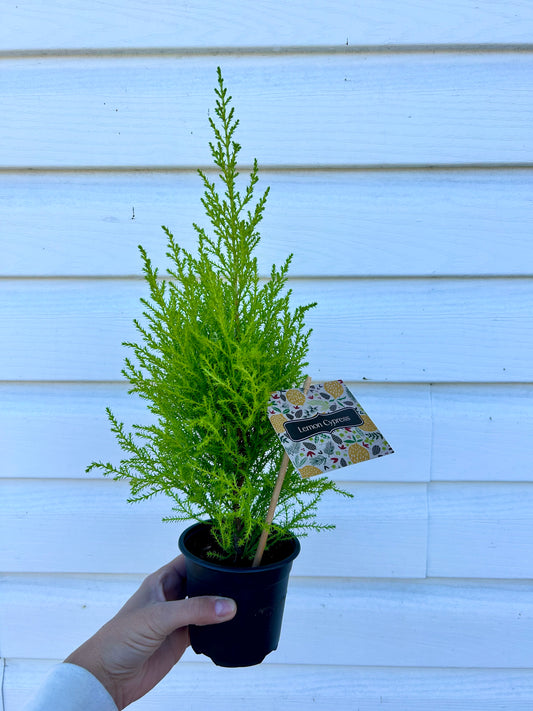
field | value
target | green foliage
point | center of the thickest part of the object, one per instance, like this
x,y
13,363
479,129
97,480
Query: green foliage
x,y
214,343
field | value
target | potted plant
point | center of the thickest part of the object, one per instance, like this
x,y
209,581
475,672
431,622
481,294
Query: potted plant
x,y
215,341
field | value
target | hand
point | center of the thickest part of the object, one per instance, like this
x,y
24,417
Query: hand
x,y
139,646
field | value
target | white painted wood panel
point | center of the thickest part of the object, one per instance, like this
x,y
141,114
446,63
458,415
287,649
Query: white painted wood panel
x,y
416,109
55,430
482,433
2,681
364,628
447,624
82,24
480,530
396,223
79,527
401,330
298,688
475,530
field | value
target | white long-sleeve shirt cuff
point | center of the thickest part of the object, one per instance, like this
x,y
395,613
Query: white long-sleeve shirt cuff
x,y
71,688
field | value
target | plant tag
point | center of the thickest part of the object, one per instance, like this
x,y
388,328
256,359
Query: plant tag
x,y
325,429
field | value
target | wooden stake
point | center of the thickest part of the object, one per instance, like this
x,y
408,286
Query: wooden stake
x,y
275,497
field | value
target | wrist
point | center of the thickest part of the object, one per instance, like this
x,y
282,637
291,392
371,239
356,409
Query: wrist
x,y
87,657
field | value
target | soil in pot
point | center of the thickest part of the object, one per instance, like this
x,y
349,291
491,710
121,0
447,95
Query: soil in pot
x,y
259,593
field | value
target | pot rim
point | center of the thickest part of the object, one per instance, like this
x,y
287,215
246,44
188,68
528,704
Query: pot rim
x,y
228,568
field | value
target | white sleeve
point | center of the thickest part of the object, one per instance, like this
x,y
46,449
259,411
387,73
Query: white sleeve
x,y
71,688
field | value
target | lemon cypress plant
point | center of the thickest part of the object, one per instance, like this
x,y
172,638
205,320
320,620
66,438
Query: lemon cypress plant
x,y
215,341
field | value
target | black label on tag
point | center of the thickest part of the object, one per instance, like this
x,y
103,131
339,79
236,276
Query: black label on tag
x,y
298,430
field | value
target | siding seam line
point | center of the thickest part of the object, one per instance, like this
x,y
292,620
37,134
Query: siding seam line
x,y
2,678
269,51
428,483
275,168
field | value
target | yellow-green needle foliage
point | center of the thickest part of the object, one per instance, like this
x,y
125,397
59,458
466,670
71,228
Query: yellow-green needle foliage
x,y
214,342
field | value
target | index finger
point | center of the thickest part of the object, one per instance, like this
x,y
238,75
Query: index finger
x,y
167,583
173,577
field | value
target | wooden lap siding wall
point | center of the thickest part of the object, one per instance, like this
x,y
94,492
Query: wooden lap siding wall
x,y
397,142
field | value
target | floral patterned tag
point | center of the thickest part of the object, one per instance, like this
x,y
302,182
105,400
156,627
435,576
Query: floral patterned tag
x,y
325,429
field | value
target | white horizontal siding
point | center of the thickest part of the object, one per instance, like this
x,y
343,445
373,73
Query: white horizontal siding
x,y
480,530
87,526
438,623
482,433
414,109
476,530
460,434
405,330
36,413
82,24
381,223
408,166
299,688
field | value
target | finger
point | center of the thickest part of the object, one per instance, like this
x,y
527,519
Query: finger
x,y
165,618
166,583
173,577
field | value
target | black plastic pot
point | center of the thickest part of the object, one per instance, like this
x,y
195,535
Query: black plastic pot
x,y
259,593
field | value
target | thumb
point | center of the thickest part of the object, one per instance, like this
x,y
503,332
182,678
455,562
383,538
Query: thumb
x,y
166,617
